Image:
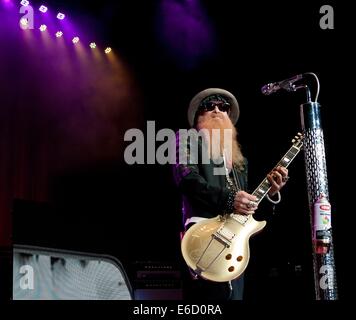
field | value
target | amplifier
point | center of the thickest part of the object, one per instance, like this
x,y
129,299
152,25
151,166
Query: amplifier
x,y
157,280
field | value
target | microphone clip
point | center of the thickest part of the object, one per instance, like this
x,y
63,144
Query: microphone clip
x,y
287,85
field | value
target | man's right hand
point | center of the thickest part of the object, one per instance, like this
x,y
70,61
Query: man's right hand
x,y
245,203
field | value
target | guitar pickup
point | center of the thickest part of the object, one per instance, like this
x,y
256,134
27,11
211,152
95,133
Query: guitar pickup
x,y
224,235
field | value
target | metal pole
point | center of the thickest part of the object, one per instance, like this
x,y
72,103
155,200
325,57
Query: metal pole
x,y
319,206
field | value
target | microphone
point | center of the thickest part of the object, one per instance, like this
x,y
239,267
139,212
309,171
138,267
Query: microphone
x,y
284,84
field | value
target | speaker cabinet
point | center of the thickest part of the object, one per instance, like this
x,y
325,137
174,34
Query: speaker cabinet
x,y
157,281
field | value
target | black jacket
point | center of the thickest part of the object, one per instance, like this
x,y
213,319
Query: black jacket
x,y
204,194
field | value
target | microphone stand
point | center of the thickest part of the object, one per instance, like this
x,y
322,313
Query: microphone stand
x,y
317,183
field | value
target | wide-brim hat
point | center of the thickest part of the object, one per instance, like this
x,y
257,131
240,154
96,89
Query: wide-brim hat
x,y
199,97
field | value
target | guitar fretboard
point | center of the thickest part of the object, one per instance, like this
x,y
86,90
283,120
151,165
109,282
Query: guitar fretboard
x,y
261,191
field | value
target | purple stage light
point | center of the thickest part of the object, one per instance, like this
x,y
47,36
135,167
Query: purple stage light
x,y
107,50
59,34
8,3
60,16
25,3
75,40
43,27
92,45
43,9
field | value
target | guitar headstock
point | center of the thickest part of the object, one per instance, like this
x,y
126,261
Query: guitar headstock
x,y
298,140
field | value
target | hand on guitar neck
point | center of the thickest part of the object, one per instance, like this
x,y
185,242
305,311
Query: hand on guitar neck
x,y
246,203
278,177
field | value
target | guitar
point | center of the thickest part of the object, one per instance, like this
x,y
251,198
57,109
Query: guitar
x,y
217,249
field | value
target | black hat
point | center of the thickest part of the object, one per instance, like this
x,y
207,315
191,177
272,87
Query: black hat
x,y
198,98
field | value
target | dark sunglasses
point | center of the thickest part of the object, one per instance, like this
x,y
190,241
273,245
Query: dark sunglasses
x,y
210,106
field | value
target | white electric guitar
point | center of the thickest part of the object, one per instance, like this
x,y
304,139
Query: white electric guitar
x,y
217,249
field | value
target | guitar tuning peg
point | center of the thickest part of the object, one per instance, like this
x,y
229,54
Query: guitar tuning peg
x,y
293,140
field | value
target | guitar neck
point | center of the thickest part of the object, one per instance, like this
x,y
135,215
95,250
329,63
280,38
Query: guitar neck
x,y
263,188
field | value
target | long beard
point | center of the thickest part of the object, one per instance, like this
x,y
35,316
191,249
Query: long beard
x,y
230,148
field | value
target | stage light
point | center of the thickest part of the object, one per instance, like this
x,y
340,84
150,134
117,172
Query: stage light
x,y
60,16
25,3
43,9
8,3
107,50
43,27
75,40
24,22
92,45
59,34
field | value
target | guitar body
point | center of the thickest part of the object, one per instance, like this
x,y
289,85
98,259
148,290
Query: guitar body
x,y
218,249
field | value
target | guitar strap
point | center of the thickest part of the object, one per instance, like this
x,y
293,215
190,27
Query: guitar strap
x,y
237,180
236,185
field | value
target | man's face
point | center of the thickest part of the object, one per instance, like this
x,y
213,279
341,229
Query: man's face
x,y
215,112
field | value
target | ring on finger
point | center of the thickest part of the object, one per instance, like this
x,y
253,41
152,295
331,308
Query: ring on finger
x,y
251,204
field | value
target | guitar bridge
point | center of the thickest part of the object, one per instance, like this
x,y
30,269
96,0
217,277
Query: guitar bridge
x,y
214,249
